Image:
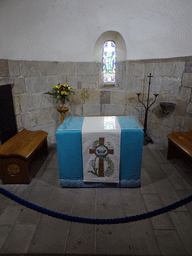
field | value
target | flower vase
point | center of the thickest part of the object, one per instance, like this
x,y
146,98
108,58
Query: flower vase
x,y
62,102
63,109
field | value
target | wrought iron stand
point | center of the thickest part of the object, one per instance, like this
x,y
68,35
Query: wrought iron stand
x,y
147,139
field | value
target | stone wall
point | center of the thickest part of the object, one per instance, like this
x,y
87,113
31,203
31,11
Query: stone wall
x,y
172,79
33,110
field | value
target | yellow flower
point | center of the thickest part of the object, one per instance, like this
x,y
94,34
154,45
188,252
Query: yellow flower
x,y
64,93
71,87
56,87
65,85
58,96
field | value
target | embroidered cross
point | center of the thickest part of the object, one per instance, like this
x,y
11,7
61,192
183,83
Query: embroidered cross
x,y
101,151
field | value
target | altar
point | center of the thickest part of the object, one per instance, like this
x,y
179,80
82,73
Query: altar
x,y
72,157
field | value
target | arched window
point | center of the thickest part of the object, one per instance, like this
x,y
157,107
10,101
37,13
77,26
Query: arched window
x,y
109,62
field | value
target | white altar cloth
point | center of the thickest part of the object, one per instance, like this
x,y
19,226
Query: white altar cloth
x,y
101,138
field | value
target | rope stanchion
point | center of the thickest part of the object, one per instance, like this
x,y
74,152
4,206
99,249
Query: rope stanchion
x,y
95,221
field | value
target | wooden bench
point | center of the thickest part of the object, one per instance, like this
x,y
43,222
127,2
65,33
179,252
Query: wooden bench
x,y
17,152
178,143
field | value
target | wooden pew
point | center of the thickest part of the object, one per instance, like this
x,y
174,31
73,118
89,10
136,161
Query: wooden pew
x,y
179,143
17,152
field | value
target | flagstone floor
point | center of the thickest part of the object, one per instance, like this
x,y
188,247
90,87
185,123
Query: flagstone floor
x,y
163,182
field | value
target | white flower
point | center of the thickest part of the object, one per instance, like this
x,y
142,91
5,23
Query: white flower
x,y
92,163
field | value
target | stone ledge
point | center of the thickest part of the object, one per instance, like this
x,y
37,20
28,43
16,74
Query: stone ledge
x,y
173,59
110,89
109,85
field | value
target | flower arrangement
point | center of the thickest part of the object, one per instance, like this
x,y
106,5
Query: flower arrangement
x,y
61,92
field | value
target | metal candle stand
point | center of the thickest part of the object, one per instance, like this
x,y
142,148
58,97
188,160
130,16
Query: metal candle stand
x,y
147,139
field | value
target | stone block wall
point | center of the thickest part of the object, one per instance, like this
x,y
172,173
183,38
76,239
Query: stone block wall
x,y
33,110
172,79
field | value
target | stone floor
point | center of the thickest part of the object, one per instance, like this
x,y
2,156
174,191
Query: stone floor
x,y
163,182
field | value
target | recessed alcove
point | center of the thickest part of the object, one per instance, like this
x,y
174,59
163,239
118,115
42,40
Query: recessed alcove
x,y
112,36
8,126
167,107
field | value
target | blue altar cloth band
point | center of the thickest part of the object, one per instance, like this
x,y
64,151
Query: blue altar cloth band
x,y
69,148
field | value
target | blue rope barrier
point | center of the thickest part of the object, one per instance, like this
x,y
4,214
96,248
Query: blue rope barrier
x,y
95,221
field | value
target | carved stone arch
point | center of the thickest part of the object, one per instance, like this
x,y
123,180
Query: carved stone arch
x,y
121,50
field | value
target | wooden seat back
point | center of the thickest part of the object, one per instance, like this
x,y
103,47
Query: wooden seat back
x,y
23,144
182,141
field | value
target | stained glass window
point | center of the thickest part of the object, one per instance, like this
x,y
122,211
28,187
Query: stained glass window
x,y
109,62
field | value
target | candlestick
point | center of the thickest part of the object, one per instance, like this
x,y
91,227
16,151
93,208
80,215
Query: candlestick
x,y
147,139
